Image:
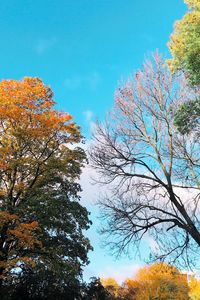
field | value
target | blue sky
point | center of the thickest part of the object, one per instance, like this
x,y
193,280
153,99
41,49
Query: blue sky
x,y
82,49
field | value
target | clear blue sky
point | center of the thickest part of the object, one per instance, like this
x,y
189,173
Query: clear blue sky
x,y
82,48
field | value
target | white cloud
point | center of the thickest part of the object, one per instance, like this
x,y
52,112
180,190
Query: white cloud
x,y
89,116
90,81
90,190
43,45
120,272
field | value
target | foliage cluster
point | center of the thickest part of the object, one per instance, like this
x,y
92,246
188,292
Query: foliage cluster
x,y
157,281
185,43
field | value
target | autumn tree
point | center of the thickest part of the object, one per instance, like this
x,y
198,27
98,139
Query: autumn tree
x,y
150,170
194,288
39,188
158,281
131,288
111,285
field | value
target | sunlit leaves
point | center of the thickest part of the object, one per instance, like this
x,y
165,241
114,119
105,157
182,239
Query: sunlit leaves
x,y
17,240
158,281
33,136
194,286
185,43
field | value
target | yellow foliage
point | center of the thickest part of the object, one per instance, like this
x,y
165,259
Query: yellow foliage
x,y
193,3
109,281
185,43
194,286
158,281
111,285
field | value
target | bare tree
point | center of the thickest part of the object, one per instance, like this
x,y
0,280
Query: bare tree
x,y
153,171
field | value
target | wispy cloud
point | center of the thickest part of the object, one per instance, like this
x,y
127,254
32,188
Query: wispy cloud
x,y
90,81
88,115
89,120
44,44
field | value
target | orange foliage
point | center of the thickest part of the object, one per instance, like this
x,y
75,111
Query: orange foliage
x,y
17,241
32,134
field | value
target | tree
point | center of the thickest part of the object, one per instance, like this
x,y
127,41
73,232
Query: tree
x,y
152,170
187,117
131,288
185,49
96,291
194,285
185,43
38,186
113,288
158,281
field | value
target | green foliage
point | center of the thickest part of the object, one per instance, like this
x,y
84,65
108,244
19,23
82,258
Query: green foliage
x,y
96,291
39,284
187,116
185,48
62,221
185,44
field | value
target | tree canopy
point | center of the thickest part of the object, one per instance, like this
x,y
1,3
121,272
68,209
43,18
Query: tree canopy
x,y
42,247
187,117
185,48
156,281
185,43
159,281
